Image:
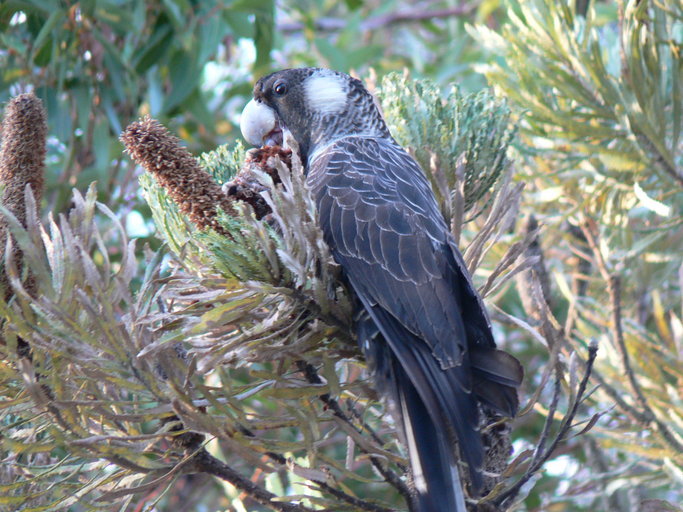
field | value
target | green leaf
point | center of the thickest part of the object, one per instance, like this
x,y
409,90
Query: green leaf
x,y
263,37
211,33
42,39
158,45
184,78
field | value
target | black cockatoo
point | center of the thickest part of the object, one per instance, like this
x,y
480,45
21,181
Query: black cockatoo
x,y
419,320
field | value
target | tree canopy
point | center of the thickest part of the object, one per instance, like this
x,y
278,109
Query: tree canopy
x,y
163,344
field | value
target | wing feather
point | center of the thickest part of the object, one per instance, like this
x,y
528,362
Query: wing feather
x,y
394,200
384,227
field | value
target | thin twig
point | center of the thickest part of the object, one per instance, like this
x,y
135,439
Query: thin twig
x,y
565,427
361,504
370,430
595,456
538,308
614,289
312,376
550,418
203,462
356,502
641,399
615,395
579,276
385,20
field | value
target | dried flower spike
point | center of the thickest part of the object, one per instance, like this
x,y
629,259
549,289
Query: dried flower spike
x,y
151,145
22,163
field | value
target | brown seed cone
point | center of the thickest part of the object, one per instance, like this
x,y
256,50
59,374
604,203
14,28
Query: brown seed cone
x,y
22,163
151,145
246,187
260,157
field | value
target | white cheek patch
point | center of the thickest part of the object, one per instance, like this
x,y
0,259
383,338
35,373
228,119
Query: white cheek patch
x,y
326,93
257,120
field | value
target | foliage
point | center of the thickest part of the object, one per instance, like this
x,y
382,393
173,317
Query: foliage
x,y
84,326
98,64
603,96
596,87
253,309
475,129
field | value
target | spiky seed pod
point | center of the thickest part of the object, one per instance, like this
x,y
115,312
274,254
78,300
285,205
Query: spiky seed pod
x,y
22,163
198,196
247,187
261,156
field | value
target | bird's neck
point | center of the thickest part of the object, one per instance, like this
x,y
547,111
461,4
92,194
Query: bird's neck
x,y
360,118
320,148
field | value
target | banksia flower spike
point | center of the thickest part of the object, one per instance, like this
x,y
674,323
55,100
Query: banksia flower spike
x,y
198,196
22,164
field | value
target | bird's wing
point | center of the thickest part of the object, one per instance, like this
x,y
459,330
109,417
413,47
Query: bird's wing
x,y
384,226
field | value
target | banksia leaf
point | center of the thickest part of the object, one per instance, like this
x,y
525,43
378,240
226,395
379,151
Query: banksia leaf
x,y
452,135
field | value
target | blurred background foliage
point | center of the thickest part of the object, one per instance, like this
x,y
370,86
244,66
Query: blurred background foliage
x,y
596,90
190,64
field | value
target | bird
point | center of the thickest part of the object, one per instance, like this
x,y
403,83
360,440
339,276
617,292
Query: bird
x,y
420,323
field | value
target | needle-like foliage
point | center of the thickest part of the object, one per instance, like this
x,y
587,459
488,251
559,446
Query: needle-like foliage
x,y
468,132
603,103
233,354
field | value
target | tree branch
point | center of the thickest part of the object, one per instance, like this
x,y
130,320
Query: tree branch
x,y
205,463
541,456
614,289
385,20
361,504
312,376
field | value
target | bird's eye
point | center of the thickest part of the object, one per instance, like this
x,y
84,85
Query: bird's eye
x,y
280,88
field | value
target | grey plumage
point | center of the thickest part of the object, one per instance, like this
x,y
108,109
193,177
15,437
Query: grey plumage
x,y
422,326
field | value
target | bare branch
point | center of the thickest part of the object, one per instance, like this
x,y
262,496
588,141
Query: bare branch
x,y
312,376
539,452
385,20
541,456
203,462
614,288
361,504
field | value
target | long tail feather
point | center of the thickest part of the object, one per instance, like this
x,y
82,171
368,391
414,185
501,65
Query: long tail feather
x,y
419,391
435,472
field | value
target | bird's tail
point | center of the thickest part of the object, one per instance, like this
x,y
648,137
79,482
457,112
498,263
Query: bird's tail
x,y
430,443
496,375
436,479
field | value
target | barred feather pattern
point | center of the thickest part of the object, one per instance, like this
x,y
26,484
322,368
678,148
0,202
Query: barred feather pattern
x,y
421,316
420,322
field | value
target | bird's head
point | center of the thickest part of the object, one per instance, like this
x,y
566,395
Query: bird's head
x,y
316,106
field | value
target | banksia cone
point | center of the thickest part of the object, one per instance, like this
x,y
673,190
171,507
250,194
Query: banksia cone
x,y
22,163
198,196
247,187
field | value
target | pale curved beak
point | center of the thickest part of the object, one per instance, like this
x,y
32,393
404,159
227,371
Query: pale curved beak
x,y
259,125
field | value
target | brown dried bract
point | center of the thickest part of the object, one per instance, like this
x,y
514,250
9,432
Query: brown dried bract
x,y
246,189
246,186
261,156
